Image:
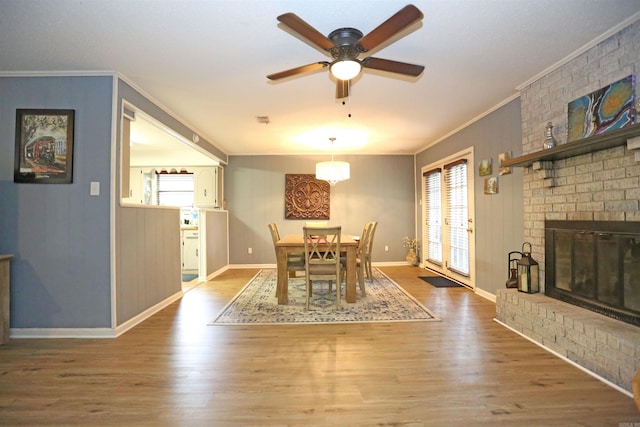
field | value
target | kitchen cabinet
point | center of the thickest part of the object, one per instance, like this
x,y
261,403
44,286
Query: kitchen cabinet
x,y
135,186
207,187
190,249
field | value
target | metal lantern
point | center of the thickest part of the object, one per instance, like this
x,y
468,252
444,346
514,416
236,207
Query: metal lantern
x,y
512,268
528,269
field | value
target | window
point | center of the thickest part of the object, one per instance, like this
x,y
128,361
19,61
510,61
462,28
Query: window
x,y
458,218
175,189
447,216
433,214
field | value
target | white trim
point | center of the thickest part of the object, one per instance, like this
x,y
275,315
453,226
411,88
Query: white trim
x,y
466,153
216,273
484,294
610,32
95,73
582,368
113,200
136,320
19,333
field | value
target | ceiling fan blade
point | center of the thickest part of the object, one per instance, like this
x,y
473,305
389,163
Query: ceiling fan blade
x,y
298,70
298,25
392,26
392,66
342,89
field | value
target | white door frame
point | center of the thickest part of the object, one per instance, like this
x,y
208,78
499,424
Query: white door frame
x,y
442,269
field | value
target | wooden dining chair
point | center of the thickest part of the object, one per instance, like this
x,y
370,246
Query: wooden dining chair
x,y
295,262
368,249
360,251
322,258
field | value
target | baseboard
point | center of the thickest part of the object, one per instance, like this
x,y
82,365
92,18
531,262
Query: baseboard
x,y
582,368
217,273
24,333
21,333
136,320
484,294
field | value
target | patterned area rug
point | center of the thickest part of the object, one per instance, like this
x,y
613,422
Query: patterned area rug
x,y
256,304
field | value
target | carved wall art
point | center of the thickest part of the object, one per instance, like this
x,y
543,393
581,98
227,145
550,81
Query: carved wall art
x,y
306,197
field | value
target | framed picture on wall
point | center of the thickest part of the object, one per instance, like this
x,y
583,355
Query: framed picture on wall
x,y
44,146
484,167
491,185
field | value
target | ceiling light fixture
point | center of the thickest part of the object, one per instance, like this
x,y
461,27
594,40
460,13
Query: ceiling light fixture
x,y
346,69
333,171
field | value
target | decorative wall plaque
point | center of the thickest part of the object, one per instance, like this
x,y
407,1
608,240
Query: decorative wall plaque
x,y
306,197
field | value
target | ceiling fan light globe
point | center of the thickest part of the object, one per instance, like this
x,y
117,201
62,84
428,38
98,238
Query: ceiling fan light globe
x,y
345,69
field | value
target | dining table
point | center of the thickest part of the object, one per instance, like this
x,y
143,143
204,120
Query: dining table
x,y
294,243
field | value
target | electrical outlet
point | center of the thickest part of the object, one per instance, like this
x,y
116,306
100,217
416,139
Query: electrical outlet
x,y
386,248
249,250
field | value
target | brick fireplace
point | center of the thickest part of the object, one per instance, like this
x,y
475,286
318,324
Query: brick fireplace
x,y
597,186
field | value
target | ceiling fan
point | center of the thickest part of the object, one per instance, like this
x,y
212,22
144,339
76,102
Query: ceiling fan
x,y
346,44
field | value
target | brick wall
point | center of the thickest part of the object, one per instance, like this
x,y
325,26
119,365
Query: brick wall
x,y
604,185
604,346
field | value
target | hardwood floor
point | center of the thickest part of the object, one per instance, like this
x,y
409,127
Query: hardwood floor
x,y
175,370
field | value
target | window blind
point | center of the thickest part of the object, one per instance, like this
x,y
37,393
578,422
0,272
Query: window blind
x,y
433,214
175,189
458,218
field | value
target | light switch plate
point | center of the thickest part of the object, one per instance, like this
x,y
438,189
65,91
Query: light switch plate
x,y
94,190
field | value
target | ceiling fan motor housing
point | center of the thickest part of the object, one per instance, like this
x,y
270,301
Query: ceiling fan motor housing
x,y
346,43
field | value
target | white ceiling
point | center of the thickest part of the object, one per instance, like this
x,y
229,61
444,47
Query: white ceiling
x,y
206,61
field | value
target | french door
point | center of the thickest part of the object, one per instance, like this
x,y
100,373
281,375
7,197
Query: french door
x,y
447,217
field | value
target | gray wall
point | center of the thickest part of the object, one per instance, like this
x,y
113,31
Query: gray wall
x,y
59,234
499,217
381,188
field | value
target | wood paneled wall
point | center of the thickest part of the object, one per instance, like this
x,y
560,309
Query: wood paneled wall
x,y
147,258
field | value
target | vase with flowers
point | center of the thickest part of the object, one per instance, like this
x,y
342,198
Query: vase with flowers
x,y
412,245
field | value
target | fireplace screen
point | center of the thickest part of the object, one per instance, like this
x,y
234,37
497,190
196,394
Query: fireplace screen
x,y
595,265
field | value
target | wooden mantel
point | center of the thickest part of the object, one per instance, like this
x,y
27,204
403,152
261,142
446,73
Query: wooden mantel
x,y
575,148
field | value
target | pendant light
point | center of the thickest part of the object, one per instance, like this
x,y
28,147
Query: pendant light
x,y
332,171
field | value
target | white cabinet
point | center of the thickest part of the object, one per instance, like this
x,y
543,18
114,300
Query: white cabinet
x,y
135,186
207,187
190,249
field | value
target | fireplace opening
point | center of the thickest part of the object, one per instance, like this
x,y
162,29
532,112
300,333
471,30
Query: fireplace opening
x,y
595,265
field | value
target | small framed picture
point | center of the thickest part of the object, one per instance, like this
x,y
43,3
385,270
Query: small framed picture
x,y
503,157
484,168
491,185
44,146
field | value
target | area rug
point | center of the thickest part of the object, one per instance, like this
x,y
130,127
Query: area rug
x,y
188,277
385,301
440,282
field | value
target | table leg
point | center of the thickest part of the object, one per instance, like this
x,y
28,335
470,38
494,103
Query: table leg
x,y
283,285
351,274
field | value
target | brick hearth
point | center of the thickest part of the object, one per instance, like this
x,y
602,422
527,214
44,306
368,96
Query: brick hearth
x,y
607,347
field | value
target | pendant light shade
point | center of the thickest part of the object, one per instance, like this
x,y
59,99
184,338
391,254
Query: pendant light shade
x,y
333,171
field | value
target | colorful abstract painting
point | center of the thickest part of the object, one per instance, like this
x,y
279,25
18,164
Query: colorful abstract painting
x,y
602,111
